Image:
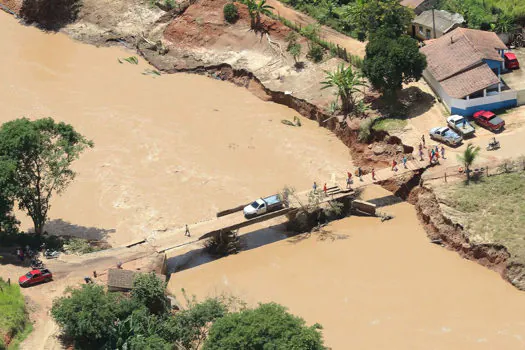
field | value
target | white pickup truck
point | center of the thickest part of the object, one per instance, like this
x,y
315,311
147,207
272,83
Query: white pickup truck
x,y
263,206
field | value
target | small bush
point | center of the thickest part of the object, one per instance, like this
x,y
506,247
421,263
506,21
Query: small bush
x,y
231,13
80,246
364,130
315,53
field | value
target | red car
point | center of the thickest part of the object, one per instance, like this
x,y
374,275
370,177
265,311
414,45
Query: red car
x,y
35,277
489,120
511,62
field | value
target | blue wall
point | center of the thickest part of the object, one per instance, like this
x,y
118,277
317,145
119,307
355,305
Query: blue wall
x,y
487,107
493,64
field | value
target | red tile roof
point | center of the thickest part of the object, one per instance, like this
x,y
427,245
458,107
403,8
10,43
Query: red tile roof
x,y
456,60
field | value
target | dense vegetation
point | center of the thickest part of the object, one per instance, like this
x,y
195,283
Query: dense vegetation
x,y
95,319
357,18
496,15
13,315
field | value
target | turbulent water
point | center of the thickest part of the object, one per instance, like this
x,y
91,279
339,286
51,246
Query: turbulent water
x,y
175,149
169,150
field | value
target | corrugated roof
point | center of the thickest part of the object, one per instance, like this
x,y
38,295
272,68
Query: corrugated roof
x,y
444,20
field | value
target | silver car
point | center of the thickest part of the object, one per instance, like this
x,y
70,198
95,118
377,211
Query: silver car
x,y
446,135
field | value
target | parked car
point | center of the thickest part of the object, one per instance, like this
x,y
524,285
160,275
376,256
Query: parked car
x,y
461,125
263,206
489,120
446,135
511,61
34,277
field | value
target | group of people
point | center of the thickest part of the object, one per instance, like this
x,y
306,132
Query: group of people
x,y
434,153
22,253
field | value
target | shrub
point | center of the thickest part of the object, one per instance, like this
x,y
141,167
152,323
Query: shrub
x,y
149,290
231,13
79,246
364,130
268,326
315,53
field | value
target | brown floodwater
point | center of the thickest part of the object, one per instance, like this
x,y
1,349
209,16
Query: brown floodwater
x,y
175,149
169,150
373,285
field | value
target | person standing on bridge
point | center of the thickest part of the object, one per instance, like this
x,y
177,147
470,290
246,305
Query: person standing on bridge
x,y
187,233
373,174
421,154
394,165
405,161
423,141
325,190
314,187
359,173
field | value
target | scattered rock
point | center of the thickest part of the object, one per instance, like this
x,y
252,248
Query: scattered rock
x,y
379,149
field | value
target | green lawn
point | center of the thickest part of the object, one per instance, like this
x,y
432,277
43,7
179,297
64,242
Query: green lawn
x,y
13,316
390,125
493,208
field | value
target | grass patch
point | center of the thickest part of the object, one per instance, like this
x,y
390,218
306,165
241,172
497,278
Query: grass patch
x,y
493,208
13,315
389,124
20,337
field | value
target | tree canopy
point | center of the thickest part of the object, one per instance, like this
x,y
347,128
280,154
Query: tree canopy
x,y
149,290
392,61
268,326
36,158
468,157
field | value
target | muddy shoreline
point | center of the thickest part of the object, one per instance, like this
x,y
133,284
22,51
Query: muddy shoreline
x,y
439,228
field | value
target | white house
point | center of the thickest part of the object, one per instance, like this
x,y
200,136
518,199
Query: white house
x,y
432,24
464,69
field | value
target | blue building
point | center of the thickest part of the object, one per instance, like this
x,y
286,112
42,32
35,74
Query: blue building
x,y
464,68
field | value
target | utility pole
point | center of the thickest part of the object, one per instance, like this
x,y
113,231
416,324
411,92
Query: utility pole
x,y
433,23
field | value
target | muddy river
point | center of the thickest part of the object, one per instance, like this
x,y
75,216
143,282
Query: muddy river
x,y
175,149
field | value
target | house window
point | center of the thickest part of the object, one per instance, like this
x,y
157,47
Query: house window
x,y
428,34
421,30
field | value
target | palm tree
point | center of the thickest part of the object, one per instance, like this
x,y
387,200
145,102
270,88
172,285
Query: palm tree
x,y
256,9
468,157
347,82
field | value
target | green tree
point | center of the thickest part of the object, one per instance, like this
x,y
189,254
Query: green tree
x,y
269,326
346,81
231,14
468,157
256,9
294,48
370,15
189,328
39,154
150,291
86,314
392,61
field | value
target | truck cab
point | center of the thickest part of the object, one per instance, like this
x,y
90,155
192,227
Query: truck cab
x,y
511,61
262,206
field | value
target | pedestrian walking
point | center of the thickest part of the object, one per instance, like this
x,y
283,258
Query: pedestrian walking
x,y
349,177
348,182
443,152
373,174
325,190
405,162
421,155
423,141
394,165
420,146
360,173
436,149
314,187
187,233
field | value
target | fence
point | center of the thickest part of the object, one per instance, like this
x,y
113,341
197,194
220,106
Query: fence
x,y
451,173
